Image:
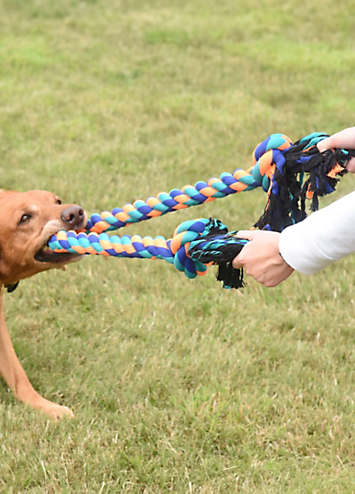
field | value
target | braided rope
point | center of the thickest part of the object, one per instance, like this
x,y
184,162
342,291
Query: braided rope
x,y
192,241
273,158
265,158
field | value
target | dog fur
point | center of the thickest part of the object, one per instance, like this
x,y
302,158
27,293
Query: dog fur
x,y
27,221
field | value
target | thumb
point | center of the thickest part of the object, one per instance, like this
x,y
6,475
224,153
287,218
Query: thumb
x,y
237,262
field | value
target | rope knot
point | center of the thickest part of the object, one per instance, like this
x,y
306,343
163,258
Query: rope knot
x,y
267,156
199,243
185,234
283,165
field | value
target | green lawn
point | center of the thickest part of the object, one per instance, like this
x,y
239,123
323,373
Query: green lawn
x,y
177,385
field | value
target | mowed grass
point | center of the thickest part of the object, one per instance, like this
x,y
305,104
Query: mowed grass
x,y
177,385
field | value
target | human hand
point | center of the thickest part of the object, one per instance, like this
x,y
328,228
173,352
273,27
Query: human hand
x,y
261,257
343,139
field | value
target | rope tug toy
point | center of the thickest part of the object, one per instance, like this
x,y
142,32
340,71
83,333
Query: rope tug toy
x,y
195,244
289,174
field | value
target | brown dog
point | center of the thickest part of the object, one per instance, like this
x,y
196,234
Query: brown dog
x,y
27,221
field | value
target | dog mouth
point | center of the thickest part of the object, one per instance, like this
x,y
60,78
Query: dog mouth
x,y
75,219
47,255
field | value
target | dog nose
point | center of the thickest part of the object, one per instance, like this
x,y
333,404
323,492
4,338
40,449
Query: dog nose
x,y
73,216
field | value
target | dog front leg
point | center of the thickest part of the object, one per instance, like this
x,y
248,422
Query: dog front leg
x,y
17,380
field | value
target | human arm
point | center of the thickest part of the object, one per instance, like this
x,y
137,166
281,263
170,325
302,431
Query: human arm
x,y
324,237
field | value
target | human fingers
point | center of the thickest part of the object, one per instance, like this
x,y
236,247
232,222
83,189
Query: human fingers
x,y
247,234
239,261
324,144
343,139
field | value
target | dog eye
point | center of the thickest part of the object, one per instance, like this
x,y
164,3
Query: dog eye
x,y
58,201
25,218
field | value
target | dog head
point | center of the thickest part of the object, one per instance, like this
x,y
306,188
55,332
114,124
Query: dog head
x,y
27,221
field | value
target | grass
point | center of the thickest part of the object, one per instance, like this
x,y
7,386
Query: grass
x,y
177,386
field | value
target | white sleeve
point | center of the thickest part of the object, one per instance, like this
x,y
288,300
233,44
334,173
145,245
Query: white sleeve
x,y
325,236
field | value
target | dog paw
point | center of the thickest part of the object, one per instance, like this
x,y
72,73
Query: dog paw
x,y
57,412
53,410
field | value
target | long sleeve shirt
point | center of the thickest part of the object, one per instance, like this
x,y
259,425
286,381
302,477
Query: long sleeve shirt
x,y
323,237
